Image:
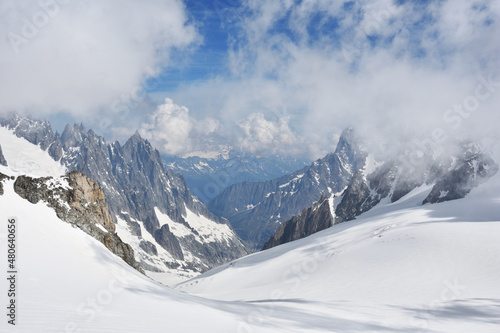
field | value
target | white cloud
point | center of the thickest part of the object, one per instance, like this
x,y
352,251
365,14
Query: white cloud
x,y
173,131
388,70
260,135
427,57
169,128
79,56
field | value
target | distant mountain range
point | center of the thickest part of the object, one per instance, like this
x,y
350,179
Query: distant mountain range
x,y
256,209
207,175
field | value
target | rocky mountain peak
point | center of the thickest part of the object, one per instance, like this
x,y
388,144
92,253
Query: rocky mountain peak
x,y
255,209
148,203
38,132
452,176
349,149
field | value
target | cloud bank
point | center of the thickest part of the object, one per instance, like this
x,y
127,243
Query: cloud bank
x,y
298,72
80,57
387,68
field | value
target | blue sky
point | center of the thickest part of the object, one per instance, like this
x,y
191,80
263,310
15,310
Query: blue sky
x,y
265,77
210,57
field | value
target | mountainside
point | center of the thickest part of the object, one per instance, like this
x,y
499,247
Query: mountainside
x,y
255,209
313,219
446,178
68,281
401,267
79,201
168,228
208,176
2,158
404,268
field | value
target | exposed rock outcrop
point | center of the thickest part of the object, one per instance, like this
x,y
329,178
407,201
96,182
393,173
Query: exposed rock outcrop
x,y
2,158
313,219
2,179
79,201
472,168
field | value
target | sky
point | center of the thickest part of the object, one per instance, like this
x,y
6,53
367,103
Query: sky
x,y
264,77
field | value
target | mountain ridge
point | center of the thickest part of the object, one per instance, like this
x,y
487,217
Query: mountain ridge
x,y
139,190
255,209
446,177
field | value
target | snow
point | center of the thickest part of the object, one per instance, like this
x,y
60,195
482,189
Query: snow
x,y
370,165
443,194
124,232
402,267
209,230
331,204
269,194
178,229
58,182
212,155
391,272
294,180
69,282
101,227
24,158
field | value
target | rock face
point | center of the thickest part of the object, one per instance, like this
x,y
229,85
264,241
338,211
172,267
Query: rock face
x,y
313,219
79,201
140,191
471,168
255,209
2,178
2,158
451,178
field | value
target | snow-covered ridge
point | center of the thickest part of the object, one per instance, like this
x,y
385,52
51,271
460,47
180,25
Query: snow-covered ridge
x,y
406,266
24,158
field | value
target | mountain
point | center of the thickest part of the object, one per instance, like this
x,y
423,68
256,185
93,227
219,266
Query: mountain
x,y
154,211
255,209
444,178
208,175
78,200
401,267
67,281
318,217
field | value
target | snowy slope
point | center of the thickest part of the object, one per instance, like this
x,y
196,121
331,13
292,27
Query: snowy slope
x,y
403,267
68,280
25,158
